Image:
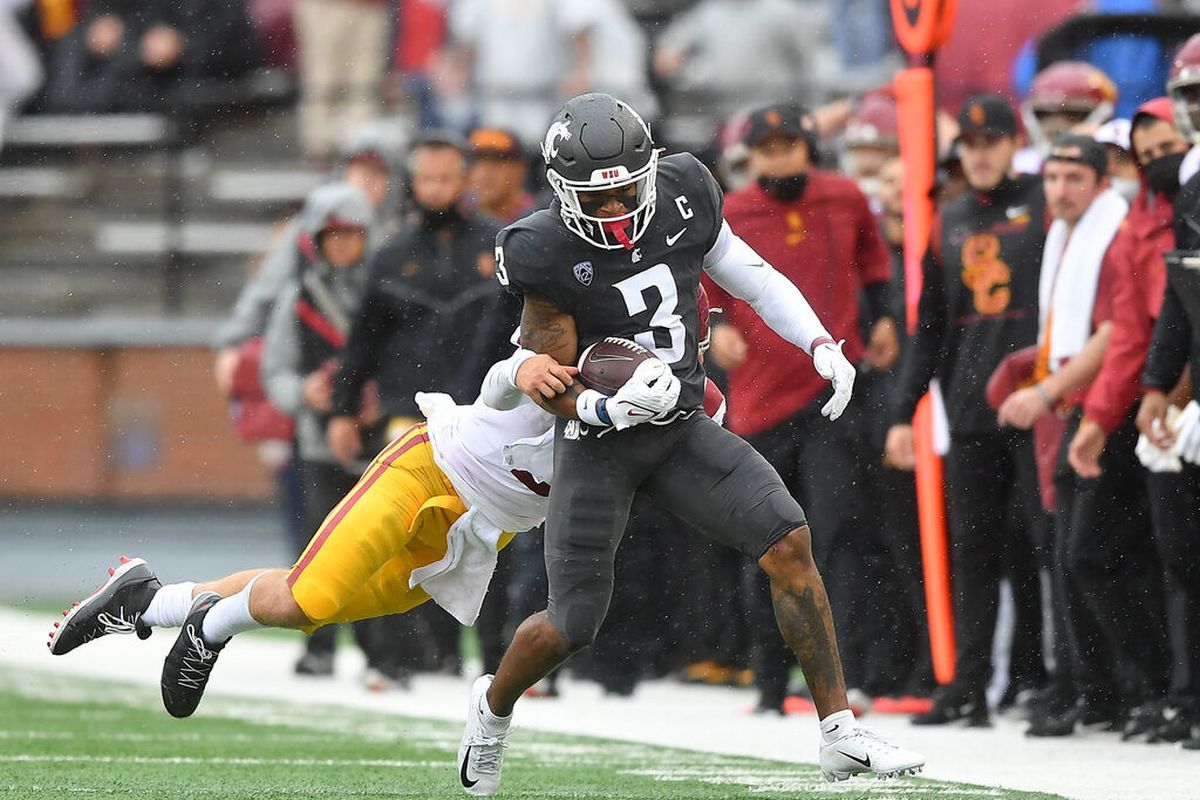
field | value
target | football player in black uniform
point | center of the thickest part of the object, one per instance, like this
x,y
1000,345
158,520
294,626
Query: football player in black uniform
x,y
619,253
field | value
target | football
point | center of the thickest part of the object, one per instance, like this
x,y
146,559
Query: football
x,y
609,363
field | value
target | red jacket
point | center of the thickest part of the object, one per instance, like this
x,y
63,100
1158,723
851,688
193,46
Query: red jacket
x,y
826,243
1141,279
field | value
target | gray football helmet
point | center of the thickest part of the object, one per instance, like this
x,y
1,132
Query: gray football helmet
x,y
597,143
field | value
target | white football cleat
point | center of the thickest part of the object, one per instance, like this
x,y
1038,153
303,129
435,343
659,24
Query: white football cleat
x,y
481,752
862,750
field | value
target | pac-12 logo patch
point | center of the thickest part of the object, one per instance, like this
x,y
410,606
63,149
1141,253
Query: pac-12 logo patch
x,y
583,272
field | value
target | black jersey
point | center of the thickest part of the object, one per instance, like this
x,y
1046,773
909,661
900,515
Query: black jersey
x,y
646,293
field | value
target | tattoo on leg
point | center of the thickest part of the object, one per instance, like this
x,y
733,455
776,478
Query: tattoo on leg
x,y
807,626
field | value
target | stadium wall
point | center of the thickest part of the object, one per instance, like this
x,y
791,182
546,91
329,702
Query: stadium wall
x,y
119,421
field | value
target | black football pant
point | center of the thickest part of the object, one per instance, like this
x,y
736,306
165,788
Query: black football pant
x,y
626,648
692,468
1109,578
989,478
1175,511
824,465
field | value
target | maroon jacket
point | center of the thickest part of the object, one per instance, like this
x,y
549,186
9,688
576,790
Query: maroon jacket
x,y
828,244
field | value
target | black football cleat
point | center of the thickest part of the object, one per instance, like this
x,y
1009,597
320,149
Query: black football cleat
x,y
951,704
190,662
116,607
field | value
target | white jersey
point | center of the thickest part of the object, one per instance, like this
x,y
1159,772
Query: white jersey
x,y
499,455
500,462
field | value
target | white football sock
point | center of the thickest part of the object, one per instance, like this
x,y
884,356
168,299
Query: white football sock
x,y
170,605
230,616
491,722
837,725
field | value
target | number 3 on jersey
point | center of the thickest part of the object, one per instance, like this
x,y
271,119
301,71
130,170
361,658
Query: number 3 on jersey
x,y
633,289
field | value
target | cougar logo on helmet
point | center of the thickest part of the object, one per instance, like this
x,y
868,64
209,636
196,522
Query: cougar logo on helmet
x,y
558,132
599,150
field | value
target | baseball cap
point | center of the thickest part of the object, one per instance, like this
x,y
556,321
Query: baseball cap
x,y
1159,108
1079,149
989,114
1114,132
495,143
785,119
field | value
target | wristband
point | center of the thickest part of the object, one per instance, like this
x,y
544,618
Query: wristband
x,y
817,342
589,406
1042,393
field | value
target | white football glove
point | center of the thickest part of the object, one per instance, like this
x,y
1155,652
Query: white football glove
x,y
833,367
1187,435
652,390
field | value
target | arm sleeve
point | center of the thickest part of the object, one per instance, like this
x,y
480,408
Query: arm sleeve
x,y
499,390
743,273
280,366
360,356
920,356
1169,345
1115,387
249,316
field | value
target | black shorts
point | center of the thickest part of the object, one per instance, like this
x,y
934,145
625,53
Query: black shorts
x,y
692,468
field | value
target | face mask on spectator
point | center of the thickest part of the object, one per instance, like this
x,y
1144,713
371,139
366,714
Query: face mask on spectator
x,y
440,218
1128,188
1163,174
785,189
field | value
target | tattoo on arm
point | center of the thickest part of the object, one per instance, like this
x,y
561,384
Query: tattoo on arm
x,y
545,329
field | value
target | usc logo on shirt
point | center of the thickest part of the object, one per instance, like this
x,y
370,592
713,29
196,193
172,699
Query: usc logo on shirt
x,y
797,230
985,274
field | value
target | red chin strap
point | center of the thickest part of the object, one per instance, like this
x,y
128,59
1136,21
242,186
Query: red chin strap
x,y
619,229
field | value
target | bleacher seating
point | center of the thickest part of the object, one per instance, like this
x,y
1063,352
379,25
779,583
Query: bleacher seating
x,y
127,214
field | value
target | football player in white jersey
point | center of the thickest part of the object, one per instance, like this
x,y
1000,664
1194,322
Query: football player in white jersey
x,y
426,520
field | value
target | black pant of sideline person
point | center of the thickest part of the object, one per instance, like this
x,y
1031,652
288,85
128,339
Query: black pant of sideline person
x,y
1108,573
825,467
988,476
1175,511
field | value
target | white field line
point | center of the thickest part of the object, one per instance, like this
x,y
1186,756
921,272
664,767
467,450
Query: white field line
x,y
1089,766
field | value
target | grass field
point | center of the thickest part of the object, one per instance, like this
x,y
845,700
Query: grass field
x,y
65,738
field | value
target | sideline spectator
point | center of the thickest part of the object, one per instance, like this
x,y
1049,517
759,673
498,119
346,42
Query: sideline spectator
x,y
1175,344
978,304
342,49
1124,174
369,160
425,316
1174,500
499,174
20,67
1063,95
1104,565
148,55
818,231
872,137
